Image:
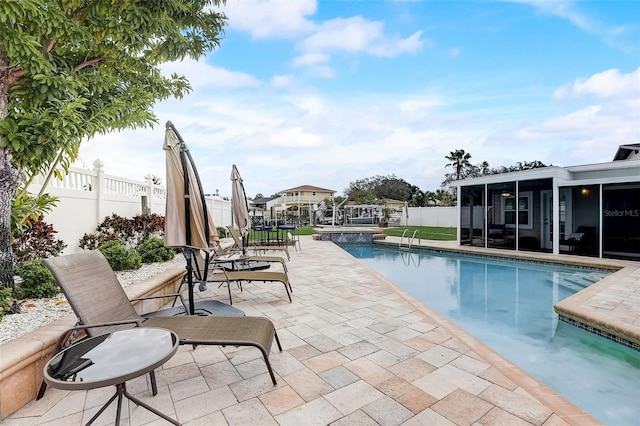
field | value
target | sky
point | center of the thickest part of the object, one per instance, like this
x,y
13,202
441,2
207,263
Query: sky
x,y
325,93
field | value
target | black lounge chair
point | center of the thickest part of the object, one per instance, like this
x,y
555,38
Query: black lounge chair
x,y
102,306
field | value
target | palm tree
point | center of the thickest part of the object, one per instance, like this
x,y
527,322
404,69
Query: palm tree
x,y
459,159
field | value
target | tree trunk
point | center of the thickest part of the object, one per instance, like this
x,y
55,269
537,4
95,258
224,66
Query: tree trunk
x,y
10,178
9,183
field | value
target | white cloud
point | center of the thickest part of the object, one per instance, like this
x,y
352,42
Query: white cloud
x,y
204,76
357,34
607,84
281,81
311,59
270,18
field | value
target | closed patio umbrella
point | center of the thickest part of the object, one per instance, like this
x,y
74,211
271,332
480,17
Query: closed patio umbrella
x,y
188,223
239,206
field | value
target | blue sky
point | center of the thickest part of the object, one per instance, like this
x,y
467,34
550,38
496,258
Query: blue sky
x,y
325,93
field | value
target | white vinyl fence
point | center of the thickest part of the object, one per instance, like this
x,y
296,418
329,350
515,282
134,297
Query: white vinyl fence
x,y
433,216
86,197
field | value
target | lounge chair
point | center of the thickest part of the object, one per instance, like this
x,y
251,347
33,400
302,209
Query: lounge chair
x,y
102,306
242,248
215,270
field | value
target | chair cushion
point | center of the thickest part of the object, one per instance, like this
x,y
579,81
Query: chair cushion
x,y
576,236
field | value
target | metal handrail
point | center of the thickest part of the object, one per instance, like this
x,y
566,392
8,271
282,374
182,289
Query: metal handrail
x,y
413,237
402,238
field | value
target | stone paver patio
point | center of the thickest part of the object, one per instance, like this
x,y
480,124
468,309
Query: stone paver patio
x,y
357,351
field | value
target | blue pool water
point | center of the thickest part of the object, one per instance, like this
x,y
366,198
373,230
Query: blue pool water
x,y
508,305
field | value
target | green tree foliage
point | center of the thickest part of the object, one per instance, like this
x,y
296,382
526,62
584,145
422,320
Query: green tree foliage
x,y
463,169
366,191
71,69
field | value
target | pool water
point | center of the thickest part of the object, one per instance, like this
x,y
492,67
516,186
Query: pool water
x,y
508,305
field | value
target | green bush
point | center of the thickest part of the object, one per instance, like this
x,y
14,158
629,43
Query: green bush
x,y
119,256
37,281
154,250
131,231
222,231
7,302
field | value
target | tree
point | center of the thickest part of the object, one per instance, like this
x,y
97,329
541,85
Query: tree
x,y
365,191
459,160
76,68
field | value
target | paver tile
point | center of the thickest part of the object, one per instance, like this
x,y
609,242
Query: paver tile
x,y
410,396
357,418
353,397
318,412
438,356
368,371
248,413
325,361
281,400
496,416
412,369
462,407
338,377
308,384
519,405
386,411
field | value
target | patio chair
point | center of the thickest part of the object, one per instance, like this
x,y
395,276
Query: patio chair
x,y
215,270
258,247
583,240
242,248
102,306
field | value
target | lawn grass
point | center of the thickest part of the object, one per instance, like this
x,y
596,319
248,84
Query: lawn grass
x,y
425,232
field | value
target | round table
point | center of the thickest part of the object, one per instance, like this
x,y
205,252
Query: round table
x,y
112,359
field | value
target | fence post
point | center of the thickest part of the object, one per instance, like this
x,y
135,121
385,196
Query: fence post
x,y
98,167
148,179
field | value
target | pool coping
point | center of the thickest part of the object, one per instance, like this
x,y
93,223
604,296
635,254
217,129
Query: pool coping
x,y
609,308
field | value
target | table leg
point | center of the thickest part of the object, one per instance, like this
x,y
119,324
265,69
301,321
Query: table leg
x,y
121,390
118,395
147,406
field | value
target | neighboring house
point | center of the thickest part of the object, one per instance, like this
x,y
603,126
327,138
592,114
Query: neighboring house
x,y
591,209
628,152
300,202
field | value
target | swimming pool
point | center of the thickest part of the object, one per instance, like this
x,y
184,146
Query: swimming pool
x,y
508,305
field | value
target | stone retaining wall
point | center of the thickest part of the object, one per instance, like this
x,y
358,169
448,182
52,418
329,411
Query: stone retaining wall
x,y
22,360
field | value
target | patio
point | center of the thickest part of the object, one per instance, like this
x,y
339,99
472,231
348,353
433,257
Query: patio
x,y
357,350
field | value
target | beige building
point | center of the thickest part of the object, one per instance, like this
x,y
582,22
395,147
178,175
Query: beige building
x,y
301,201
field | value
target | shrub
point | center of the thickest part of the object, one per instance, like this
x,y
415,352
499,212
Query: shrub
x,y
154,250
132,232
93,241
119,256
37,281
7,302
222,231
36,241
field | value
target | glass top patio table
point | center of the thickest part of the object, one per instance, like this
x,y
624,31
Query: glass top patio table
x,y
112,359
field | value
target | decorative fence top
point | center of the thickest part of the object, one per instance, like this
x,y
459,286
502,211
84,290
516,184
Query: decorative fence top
x,y
87,180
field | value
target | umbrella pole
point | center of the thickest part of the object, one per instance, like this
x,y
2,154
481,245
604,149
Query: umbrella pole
x,y
188,255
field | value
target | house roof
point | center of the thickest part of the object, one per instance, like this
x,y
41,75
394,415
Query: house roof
x,y
624,151
263,200
307,188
